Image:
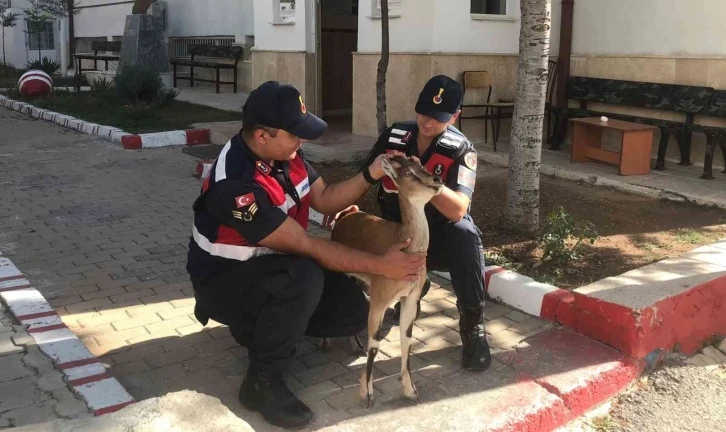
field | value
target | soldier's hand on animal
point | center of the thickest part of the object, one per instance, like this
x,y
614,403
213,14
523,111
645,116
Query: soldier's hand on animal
x,y
376,169
401,265
329,220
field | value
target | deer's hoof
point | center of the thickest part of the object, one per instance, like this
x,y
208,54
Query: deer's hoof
x,y
412,396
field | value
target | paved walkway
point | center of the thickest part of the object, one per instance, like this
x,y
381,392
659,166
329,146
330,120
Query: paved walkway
x,y
80,218
31,389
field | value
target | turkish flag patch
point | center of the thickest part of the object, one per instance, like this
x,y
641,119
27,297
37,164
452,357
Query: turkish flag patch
x,y
245,200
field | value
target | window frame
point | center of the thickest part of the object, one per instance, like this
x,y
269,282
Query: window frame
x,y
506,16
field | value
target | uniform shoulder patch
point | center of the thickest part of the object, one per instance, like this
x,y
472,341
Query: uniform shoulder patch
x,y
470,160
466,178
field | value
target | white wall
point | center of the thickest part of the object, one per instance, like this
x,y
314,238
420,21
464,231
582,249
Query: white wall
x,y
279,37
447,26
184,18
411,32
650,27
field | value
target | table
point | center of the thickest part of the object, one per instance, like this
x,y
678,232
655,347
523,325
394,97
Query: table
x,y
637,142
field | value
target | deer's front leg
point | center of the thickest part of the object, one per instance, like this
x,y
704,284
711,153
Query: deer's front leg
x,y
408,314
375,319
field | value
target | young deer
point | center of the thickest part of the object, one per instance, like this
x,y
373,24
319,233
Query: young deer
x,y
416,187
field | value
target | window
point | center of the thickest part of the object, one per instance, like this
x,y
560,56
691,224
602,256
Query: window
x,y
47,41
489,7
283,11
394,8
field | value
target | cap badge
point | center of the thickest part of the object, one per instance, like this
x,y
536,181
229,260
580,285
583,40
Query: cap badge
x,y
437,98
303,108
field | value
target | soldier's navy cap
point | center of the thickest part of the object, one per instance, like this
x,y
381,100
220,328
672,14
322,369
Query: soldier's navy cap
x,y
440,98
281,106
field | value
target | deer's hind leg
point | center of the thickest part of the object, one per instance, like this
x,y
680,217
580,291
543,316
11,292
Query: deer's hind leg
x,y
409,305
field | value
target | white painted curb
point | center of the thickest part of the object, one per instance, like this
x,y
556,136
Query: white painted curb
x,y
84,373
110,133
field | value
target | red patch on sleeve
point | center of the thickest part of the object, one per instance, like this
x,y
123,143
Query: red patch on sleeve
x,y
245,200
437,159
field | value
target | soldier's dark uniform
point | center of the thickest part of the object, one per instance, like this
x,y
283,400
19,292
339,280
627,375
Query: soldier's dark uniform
x,y
455,247
268,299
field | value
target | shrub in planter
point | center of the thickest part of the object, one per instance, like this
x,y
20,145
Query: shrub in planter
x,y
46,65
138,84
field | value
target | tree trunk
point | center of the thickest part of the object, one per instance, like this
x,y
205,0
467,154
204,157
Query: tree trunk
x,y
382,69
39,50
71,34
5,60
526,139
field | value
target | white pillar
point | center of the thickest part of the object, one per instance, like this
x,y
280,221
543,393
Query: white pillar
x,y
64,46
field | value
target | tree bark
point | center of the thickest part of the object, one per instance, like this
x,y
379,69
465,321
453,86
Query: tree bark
x,y
71,33
525,148
382,70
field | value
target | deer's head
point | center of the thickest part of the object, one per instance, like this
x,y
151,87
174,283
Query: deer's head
x,y
411,178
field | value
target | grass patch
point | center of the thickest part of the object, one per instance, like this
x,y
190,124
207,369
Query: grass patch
x,y
604,424
108,109
689,236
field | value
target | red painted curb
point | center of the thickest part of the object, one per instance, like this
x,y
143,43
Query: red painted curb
x,y
131,142
551,301
685,319
197,136
111,409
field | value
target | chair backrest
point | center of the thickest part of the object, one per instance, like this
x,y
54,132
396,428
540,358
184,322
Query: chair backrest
x,y
672,97
551,78
108,46
232,52
478,80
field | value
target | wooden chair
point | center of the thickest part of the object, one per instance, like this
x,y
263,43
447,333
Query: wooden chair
x,y
480,80
498,109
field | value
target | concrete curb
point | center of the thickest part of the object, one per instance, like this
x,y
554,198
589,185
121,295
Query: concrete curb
x,y
83,372
128,141
502,161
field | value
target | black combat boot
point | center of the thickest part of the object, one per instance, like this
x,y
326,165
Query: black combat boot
x,y
270,396
397,307
475,353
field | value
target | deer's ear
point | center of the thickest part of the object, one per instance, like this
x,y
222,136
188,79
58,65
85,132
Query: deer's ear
x,y
388,168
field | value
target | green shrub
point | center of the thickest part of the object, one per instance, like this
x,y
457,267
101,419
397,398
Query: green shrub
x,y
46,65
138,84
560,228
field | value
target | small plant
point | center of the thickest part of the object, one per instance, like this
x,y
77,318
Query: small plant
x,y
560,229
46,65
689,236
166,96
138,84
604,424
101,86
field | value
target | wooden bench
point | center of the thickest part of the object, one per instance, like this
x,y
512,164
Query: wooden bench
x,y
215,57
714,134
687,101
102,46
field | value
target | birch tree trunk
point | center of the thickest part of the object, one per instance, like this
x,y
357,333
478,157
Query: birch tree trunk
x,y
382,69
526,139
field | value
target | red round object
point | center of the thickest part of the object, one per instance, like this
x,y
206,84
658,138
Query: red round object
x,y
35,83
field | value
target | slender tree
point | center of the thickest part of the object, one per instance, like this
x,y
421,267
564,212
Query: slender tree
x,y
526,138
382,70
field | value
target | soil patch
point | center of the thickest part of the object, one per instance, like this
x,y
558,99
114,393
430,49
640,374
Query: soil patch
x,y
634,231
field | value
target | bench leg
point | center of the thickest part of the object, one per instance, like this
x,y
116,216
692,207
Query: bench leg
x,y
560,131
665,135
191,75
722,144
174,75
235,79
684,145
217,80
708,161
